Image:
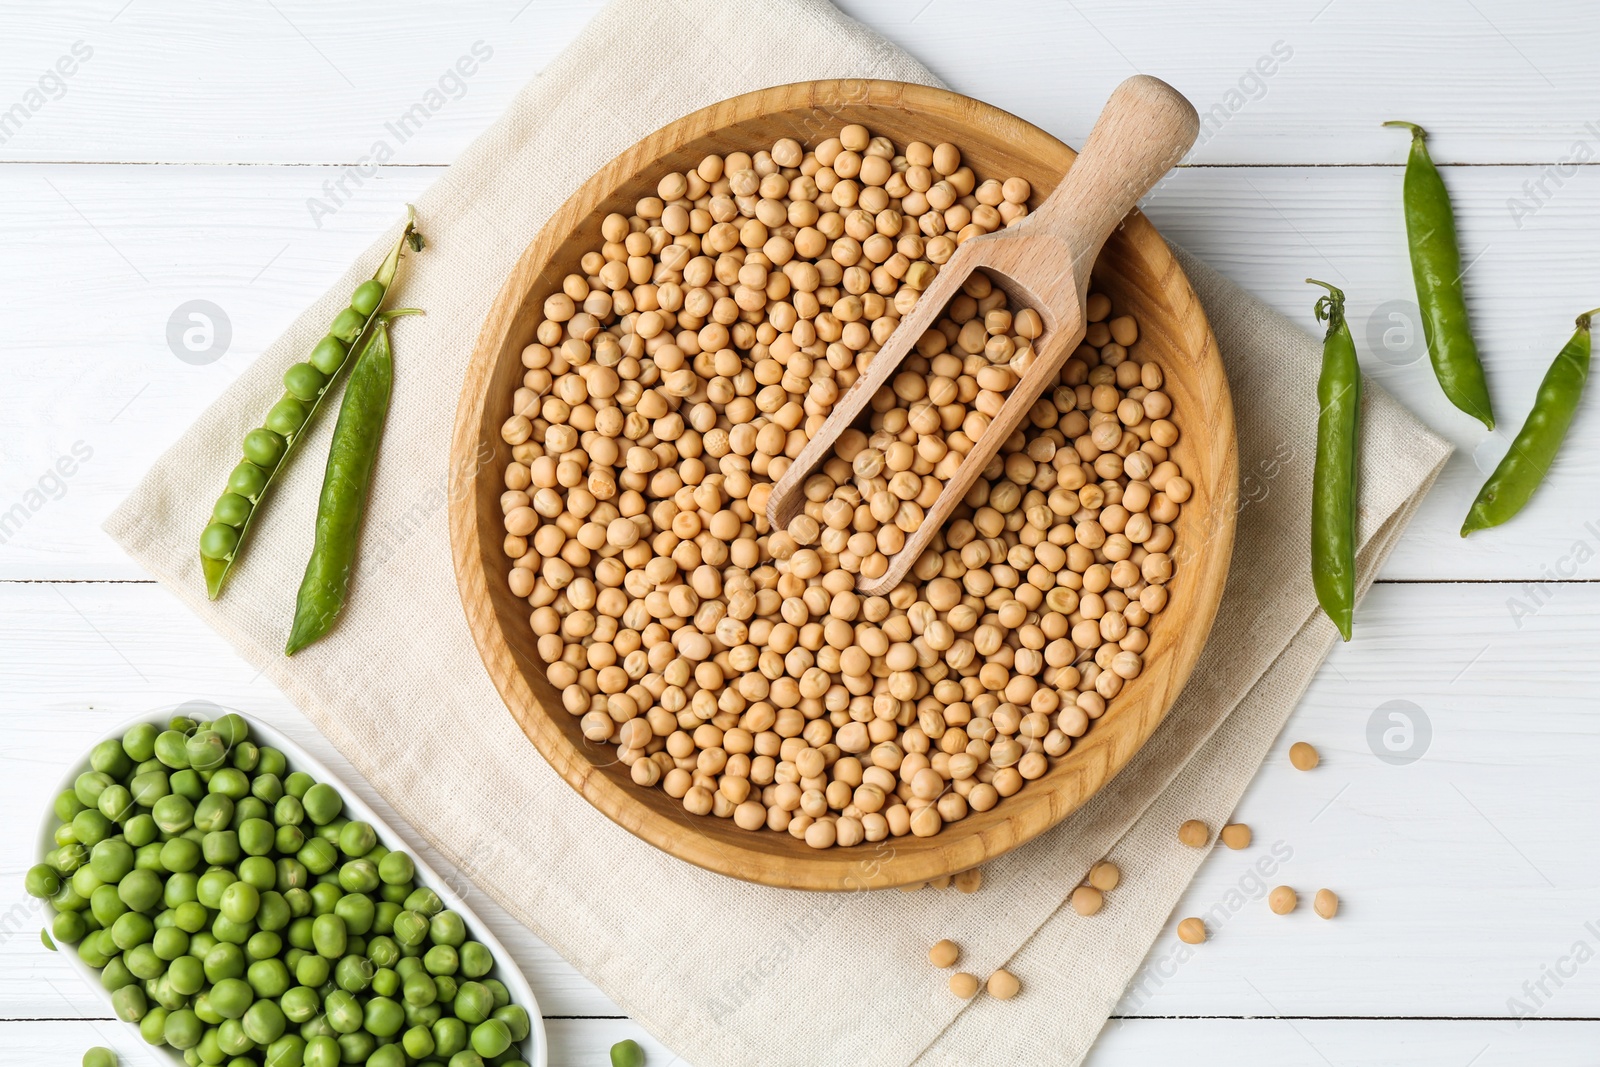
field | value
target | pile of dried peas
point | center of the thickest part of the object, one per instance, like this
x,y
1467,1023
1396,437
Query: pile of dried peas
x,y
673,380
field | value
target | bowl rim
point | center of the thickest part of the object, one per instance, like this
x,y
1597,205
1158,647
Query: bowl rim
x,y
676,832
505,965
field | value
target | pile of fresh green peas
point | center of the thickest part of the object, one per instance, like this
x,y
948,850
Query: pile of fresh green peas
x,y
235,914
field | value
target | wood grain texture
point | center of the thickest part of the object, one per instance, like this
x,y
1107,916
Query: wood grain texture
x,y
1139,275
1042,262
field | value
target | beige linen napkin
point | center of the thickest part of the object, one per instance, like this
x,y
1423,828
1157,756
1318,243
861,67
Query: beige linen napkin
x,y
730,974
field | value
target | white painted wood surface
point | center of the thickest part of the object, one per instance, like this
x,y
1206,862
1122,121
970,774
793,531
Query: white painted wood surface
x,y
175,163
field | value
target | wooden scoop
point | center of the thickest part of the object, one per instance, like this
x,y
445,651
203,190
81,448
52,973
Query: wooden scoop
x,y
1043,262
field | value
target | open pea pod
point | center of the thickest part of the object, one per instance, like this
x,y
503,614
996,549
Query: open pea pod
x,y
268,448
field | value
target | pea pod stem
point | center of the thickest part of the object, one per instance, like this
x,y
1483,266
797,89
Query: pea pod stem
x,y
1525,464
1333,485
216,568
343,502
1436,269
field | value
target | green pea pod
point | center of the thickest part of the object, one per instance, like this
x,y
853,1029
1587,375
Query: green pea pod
x,y
1333,482
344,487
1436,267
267,449
1512,484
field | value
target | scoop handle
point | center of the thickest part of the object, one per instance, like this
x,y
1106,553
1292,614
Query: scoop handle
x,y
1144,129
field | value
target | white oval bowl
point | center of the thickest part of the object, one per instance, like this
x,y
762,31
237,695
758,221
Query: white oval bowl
x,y
535,1050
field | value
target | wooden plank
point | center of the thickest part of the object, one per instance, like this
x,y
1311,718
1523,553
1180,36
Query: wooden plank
x,y
296,82
1125,1043
1458,873
136,243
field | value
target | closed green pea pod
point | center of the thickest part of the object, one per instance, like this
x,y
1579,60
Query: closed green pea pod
x,y
1333,487
1525,464
1436,268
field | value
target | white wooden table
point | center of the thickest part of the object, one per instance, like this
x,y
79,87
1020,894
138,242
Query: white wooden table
x,y
176,161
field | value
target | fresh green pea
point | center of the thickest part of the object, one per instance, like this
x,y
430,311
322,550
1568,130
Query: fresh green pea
x,y
322,1051
170,943
287,416
491,1038
141,890
231,509
92,953
226,930
313,970
91,827
264,448
173,814
426,1015
63,834
466,1058
231,997
288,1051
318,855
192,917
264,1022
69,857
115,802
385,982
42,881
147,857
357,838
447,986
106,905
186,975
115,975
268,788
109,757
384,1017
359,876
207,751
69,927
343,1011
304,381
367,296
67,805
476,960
268,978
516,1018
188,783
301,1003
153,1025
85,881
474,1003
410,928
347,325
442,959
141,830
172,749
397,868
182,886
383,951
498,990
298,783
99,1056
182,1030
248,480
273,762
288,839
224,961
259,871
328,356
143,962
89,785
132,929
322,803
329,935
221,847
215,812
449,1036
240,902
418,1042
627,1053
357,1047
384,917
257,837
357,911
288,811
234,784
353,974
219,541
324,897
263,944
446,928
231,1038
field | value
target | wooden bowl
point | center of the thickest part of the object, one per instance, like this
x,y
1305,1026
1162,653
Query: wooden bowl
x,y
1136,270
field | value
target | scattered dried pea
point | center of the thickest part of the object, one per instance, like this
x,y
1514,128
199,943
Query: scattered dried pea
x,y
1087,900
964,985
1192,931
1282,900
1326,903
1303,756
1236,835
1105,876
1194,833
944,953
1003,985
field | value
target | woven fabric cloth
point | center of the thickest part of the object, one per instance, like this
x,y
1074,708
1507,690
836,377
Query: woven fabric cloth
x,y
726,973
